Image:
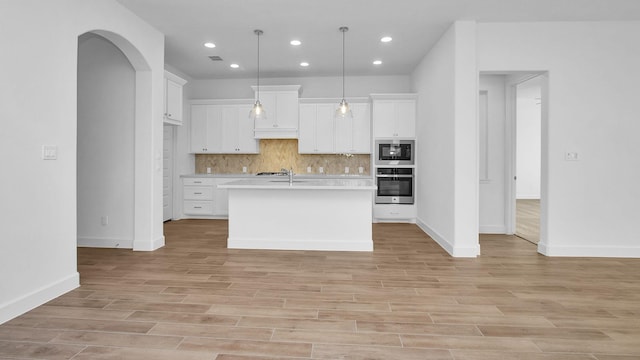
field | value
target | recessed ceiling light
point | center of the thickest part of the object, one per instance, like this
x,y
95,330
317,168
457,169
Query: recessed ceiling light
x,y
295,42
386,39
377,62
210,45
304,64
235,66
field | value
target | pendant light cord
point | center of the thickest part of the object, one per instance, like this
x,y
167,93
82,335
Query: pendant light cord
x,y
258,32
344,30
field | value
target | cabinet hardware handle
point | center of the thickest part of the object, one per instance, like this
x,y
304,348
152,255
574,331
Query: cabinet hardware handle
x,y
197,193
197,182
197,207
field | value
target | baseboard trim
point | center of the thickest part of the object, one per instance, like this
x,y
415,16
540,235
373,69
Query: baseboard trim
x,y
156,244
446,245
301,244
99,242
493,229
589,251
439,239
22,304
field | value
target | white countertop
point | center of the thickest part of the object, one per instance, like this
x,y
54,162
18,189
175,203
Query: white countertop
x,y
282,182
298,176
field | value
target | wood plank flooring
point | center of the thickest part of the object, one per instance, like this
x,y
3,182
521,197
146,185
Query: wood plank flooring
x,y
528,219
195,299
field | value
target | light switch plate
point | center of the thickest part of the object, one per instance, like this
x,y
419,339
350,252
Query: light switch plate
x,y
49,152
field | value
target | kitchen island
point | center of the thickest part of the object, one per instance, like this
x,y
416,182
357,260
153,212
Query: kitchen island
x,y
306,214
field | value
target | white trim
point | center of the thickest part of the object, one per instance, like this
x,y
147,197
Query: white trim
x,y
148,246
446,245
493,229
27,302
528,197
105,242
439,239
589,251
301,244
175,78
221,102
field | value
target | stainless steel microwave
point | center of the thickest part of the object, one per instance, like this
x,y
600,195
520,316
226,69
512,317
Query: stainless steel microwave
x,y
395,152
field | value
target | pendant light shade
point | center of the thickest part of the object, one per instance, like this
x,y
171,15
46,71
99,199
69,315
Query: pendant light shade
x,y
343,111
258,112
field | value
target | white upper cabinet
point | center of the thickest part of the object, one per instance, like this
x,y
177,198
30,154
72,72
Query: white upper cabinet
x,y
281,106
316,129
205,125
353,135
173,98
394,115
222,129
322,133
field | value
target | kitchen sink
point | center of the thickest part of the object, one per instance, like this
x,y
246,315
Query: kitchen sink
x,y
285,180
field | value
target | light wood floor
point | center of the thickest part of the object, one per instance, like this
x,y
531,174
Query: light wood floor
x,y
195,299
528,219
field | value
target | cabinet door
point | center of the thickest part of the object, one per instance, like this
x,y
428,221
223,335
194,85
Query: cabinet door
x,y
325,128
173,100
384,116
229,134
361,137
286,110
406,118
198,128
344,135
214,131
269,102
247,143
316,132
307,129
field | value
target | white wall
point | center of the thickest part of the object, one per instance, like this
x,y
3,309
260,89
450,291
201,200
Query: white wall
x,y
312,87
528,139
492,156
447,136
106,115
38,207
590,206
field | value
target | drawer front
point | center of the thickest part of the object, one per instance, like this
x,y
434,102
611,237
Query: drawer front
x,y
197,181
198,207
198,193
394,212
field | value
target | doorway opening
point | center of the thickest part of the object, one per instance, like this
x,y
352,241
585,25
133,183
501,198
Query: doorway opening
x,y
116,181
512,123
528,123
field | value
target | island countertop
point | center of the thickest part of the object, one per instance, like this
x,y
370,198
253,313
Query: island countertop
x,y
280,183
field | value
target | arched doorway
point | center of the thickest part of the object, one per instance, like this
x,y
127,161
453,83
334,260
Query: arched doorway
x,y
137,185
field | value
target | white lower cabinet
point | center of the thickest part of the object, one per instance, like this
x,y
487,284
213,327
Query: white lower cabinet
x,y
394,213
197,195
203,199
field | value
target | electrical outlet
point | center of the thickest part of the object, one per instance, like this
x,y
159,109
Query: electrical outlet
x,y
104,220
244,169
571,156
321,170
346,169
360,170
309,169
208,170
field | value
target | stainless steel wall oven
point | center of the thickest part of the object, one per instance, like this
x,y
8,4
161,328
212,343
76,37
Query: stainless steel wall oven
x,y
395,185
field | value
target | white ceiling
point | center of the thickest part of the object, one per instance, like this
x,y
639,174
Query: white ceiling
x,y
415,26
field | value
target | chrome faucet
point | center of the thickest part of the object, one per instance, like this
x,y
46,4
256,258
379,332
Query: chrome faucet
x,y
289,173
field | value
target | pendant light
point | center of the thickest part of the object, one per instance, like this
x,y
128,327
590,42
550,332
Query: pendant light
x,y
343,110
258,112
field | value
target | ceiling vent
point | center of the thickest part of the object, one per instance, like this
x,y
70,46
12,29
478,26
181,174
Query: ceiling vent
x,y
215,58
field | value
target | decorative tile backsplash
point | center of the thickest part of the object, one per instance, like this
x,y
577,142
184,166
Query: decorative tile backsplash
x,y
281,153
